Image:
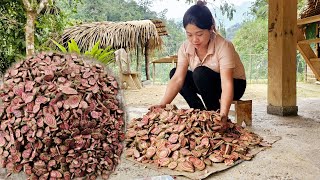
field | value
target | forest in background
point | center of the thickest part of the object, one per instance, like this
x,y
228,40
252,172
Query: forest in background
x,y
250,37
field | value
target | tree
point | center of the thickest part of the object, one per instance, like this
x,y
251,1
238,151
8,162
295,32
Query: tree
x,y
259,9
33,9
251,43
12,43
13,24
113,10
225,7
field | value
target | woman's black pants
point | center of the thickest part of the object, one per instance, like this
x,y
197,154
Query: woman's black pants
x,y
207,83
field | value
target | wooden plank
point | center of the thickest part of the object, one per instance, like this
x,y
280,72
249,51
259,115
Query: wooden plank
x,y
316,65
282,40
309,41
308,20
168,59
241,102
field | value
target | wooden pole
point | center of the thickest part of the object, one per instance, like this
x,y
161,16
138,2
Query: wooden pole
x,y
138,64
146,52
282,42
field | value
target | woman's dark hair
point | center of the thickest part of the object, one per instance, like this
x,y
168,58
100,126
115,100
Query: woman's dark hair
x,y
199,15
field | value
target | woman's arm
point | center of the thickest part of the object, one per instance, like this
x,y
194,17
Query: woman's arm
x,y
227,91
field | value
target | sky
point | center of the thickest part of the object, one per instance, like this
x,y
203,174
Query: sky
x,y
176,9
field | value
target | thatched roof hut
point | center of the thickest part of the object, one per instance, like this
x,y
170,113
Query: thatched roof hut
x,y
312,8
128,35
161,27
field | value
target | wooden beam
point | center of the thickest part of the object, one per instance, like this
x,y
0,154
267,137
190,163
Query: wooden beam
x,y
168,59
309,41
308,20
307,54
315,59
146,59
282,40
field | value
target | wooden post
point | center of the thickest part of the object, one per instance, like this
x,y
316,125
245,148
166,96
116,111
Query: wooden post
x,y
138,62
282,42
146,52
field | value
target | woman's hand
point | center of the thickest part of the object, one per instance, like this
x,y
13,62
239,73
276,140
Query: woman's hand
x,y
224,122
156,106
224,119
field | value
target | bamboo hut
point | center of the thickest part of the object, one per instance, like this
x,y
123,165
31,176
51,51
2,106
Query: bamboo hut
x,y
130,35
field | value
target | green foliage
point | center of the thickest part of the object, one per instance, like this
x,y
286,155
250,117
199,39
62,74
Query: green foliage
x,y
12,44
171,45
73,47
105,56
251,42
49,23
227,9
232,31
94,50
301,5
62,48
252,37
112,10
221,29
301,65
175,38
259,9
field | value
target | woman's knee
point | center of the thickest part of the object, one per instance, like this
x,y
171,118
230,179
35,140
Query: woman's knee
x,y
172,72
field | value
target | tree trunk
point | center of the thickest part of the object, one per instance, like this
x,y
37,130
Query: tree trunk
x,y
30,29
32,13
146,52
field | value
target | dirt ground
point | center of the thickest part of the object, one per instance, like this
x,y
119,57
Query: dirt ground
x,y
295,156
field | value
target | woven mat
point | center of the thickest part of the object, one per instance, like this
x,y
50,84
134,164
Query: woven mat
x,y
216,167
